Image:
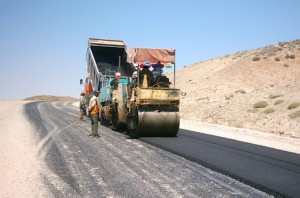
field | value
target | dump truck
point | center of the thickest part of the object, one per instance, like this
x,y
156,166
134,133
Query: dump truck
x,y
128,101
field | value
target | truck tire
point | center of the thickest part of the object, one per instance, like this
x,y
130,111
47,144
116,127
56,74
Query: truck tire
x,y
116,125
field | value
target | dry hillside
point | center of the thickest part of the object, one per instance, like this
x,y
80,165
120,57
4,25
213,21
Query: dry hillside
x,y
51,98
229,90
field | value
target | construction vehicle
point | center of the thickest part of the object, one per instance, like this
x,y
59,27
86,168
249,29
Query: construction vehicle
x,y
128,101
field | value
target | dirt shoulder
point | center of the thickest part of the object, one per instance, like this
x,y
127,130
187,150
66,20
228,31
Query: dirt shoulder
x,y
19,164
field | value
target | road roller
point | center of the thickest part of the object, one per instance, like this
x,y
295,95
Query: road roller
x,y
135,96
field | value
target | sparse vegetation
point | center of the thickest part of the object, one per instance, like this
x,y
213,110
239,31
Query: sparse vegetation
x,y
269,110
204,98
294,105
241,91
295,115
275,96
229,97
278,102
277,59
282,43
260,104
256,58
252,110
292,56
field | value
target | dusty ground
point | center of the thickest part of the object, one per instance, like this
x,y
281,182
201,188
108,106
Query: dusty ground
x,y
21,168
224,90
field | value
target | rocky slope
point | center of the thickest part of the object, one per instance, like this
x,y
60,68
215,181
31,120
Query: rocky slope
x,y
228,90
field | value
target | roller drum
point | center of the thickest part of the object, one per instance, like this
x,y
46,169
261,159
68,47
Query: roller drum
x,y
158,123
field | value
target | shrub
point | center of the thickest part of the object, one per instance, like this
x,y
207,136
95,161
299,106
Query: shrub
x,y
294,105
252,110
205,98
295,115
277,59
241,91
256,58
269,110
286,65
260,104
229,97
278,102
292,56
282,43
275,96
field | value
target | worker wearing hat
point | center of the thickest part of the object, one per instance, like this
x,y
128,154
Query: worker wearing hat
x,y
147,72
82,105
94,113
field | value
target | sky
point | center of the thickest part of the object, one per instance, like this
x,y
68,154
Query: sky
x,y
43,44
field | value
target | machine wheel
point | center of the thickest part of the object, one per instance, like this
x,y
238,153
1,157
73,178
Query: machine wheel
x,y
117,126
101,118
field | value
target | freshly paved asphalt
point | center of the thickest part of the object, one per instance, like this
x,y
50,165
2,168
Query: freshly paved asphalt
x,y
273,171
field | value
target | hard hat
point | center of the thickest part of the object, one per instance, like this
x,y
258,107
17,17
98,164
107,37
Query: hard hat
x,y
82,93
96,91
147,63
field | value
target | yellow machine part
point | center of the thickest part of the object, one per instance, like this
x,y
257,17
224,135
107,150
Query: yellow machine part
x,y
158,123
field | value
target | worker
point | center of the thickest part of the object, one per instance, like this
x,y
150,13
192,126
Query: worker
x,y
147,72
82,105
94,113
157,69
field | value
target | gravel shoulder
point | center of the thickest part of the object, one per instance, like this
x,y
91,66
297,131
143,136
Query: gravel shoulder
x,y
19,164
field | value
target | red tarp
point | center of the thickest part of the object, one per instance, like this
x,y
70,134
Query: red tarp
x,y
140,55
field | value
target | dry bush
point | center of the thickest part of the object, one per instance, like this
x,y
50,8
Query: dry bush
x,y
282,43
256,58
275,96
292,56
204,98
295,115
277,59
260,104
278,102
296,42
229,97
252,110
294,105
286,65
240,91
269,110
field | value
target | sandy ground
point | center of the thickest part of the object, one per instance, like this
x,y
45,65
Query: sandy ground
x,y
224,90
21,168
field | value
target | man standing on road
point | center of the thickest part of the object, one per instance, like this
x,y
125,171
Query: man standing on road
x,y
82,105
94,113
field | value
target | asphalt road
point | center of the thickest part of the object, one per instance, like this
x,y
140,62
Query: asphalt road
x,y
117,166
273,171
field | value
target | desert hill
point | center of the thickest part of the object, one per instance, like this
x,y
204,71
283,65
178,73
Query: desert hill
x,y
255,89
51,98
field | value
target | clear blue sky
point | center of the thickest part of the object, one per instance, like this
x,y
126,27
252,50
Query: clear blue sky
x,y
43,43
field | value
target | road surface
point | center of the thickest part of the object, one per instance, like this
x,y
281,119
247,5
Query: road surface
x,y
115,165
